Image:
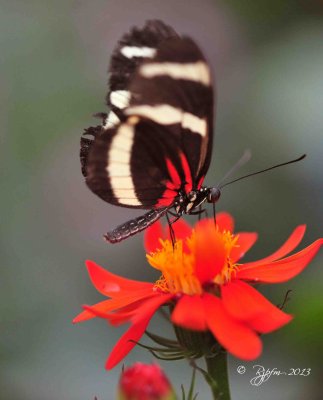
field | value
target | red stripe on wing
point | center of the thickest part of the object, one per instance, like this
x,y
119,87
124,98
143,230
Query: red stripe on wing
x,y
172,186
199,184
175,183
187,172
175,178
167,199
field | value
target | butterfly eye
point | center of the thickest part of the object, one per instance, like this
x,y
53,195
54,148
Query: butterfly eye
x,y
214,195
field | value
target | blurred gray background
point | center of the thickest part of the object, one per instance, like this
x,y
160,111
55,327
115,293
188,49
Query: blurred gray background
x,y
267,57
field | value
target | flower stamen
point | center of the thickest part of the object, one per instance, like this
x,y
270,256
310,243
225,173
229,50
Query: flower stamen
x,y
229,270
177,269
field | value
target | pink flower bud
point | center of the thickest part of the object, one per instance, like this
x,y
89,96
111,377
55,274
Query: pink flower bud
x,y
145,382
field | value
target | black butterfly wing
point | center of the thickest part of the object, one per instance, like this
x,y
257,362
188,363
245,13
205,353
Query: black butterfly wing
x,y
159,138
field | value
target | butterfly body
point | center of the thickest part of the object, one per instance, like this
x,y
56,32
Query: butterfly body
x,y
154,147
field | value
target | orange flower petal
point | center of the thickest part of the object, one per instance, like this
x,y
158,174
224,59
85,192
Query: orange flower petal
x,y
209,249
110,284
245,241
103,306
104,309
225,222
290,244
132,312
134,333
123,316
151,305
263,324
97,312
245,303
189,313
116,318
233,335
127,342
282,270
181,229
152,236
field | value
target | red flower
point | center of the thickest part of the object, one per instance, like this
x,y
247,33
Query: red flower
x,y
202,277
145,382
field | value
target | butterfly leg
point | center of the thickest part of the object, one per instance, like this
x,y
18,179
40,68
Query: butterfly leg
x,y
171,230
200,212
172,213
170,223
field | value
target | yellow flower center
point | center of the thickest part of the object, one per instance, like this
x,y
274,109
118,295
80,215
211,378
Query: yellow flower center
x,y
177,269
178,265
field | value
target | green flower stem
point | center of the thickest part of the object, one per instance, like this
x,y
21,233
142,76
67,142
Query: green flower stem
x,y
218,376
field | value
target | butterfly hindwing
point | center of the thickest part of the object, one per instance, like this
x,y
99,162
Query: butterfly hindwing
x,y
128,166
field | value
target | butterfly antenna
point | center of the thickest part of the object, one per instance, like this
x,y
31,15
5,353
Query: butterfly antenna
x,y
243,160
264,170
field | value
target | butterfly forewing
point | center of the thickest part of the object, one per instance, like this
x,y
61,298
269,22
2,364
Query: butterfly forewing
x,y
174,89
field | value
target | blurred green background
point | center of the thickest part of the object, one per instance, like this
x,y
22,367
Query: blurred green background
x,y
267,57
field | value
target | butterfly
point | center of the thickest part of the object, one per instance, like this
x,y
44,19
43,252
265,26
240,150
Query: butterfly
x,y
153,149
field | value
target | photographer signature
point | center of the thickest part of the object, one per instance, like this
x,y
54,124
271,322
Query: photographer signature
x,y
263,374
